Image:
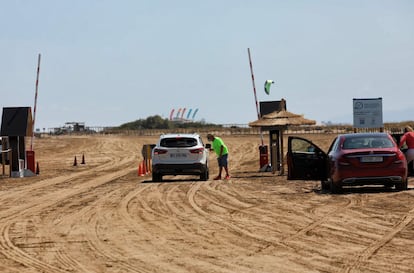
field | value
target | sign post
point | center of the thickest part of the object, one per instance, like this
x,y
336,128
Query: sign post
x,y
368,113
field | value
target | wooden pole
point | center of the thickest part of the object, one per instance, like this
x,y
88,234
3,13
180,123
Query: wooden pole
x,y
281,172
3,163
10,162
255,94
35,102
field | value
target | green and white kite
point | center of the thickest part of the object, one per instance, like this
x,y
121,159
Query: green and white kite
x,y
267,85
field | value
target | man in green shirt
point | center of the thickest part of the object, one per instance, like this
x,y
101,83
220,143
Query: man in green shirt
x,y
222,153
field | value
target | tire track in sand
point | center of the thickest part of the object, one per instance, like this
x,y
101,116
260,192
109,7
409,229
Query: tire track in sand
x,y
243,207
365,255
176,212
232,202
218,220
338,207
40,202
174,219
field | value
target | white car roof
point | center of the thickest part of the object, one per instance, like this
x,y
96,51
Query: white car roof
x,y
180,135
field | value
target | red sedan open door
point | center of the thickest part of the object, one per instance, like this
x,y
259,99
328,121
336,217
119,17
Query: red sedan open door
x,y
305,160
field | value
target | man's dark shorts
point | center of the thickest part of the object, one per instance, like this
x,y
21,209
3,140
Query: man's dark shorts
x,y
222,161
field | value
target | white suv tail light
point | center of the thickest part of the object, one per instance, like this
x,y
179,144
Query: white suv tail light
x,y
197,151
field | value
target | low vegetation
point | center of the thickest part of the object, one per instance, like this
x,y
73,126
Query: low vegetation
x,y
157,122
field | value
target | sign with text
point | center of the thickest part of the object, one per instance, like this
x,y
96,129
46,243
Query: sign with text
x,y
368,113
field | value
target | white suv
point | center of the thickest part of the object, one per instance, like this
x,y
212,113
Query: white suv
x,y
180,154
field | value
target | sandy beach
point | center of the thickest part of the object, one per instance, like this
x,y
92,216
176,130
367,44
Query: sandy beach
x,y
102,216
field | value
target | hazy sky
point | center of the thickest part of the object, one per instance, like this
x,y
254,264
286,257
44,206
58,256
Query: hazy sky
x,y
107,62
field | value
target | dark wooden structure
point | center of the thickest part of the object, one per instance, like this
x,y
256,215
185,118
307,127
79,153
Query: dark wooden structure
x,y
16,124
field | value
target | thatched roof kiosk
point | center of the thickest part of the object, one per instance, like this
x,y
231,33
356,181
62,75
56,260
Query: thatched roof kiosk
x,y
276,122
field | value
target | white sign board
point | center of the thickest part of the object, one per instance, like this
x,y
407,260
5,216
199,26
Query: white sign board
x,y
368,113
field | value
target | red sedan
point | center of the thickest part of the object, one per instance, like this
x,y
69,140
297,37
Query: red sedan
x,y
352,159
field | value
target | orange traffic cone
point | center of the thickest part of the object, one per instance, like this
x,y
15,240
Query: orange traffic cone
x,y
83,159
141,170
37,168
75,162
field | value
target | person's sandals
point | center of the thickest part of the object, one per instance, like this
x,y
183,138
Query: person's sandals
x,y
227,177
217,178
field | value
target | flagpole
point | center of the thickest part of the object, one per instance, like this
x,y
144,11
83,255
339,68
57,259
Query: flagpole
x,y
35,102
254,91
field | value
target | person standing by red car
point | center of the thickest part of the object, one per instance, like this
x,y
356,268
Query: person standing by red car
x,y
408,140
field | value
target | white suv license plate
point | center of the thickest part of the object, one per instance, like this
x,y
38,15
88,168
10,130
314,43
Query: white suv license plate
x,y
178,155
368,159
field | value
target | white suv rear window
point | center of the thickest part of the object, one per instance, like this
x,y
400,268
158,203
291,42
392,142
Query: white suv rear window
x,y
178,142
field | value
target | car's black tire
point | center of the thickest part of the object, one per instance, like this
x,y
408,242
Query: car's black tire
x,y
324,185
156,177
204,176
335,188
411,168
402,186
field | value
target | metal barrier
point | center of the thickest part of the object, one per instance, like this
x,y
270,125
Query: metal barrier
x,y
6,158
